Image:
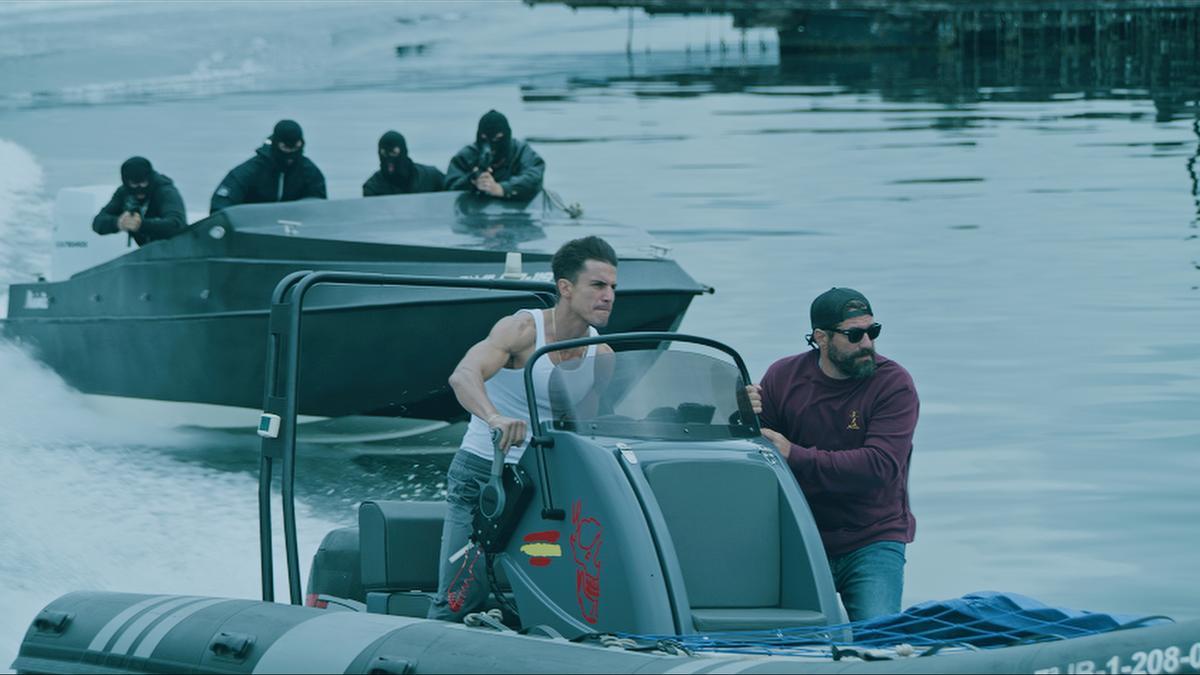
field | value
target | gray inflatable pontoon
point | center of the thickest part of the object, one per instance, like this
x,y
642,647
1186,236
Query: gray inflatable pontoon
x,y
648,528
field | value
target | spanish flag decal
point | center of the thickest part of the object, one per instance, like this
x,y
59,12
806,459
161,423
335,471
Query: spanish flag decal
x,y
541,547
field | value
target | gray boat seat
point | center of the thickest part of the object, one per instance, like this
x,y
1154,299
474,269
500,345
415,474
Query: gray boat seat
x,y
735,535
400,544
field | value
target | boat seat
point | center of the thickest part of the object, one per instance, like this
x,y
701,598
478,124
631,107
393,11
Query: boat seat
x,y
400,544
734,535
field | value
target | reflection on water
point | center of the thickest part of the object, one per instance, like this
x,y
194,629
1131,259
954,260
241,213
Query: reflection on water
x,y
964,93
1192,173
1168,77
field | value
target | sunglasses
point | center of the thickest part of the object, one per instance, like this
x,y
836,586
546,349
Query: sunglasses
x,y
855,335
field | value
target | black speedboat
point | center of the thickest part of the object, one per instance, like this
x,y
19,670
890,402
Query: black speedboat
x,y
184,319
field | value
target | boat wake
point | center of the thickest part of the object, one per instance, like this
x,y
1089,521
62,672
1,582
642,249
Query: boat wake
x,y
25,223
37,407
210,77
93,501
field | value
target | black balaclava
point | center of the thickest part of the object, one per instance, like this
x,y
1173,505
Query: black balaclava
x,y
289,133
490,124
397,170
137,170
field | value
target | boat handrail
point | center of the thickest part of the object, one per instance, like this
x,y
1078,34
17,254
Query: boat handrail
x,y
277,426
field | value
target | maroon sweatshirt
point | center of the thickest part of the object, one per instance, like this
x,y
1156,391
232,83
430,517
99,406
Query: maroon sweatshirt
x,y
851,444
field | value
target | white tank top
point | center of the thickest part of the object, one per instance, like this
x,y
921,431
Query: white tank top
x,y
506,389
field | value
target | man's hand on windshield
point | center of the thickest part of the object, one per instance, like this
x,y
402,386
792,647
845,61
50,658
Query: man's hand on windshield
x,y
485,183
754,395
782,444
512,431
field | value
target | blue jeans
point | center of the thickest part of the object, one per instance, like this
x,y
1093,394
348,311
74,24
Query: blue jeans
x,y
462,584
870,579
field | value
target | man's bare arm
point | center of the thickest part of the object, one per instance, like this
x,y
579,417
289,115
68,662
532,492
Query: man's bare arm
x,y
508,340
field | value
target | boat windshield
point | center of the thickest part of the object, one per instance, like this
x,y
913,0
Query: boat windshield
x,y
658,394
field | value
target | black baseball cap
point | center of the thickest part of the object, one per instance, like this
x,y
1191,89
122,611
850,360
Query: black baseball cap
x,y
836,305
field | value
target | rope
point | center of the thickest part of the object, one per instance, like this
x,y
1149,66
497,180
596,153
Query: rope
x,y
574,209
492,618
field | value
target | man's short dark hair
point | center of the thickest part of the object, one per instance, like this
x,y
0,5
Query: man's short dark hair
x,y
570,259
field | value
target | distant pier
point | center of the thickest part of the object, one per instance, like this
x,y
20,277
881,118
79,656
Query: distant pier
x,y
811,26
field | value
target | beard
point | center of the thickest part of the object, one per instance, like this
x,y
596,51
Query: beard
x,y
851,364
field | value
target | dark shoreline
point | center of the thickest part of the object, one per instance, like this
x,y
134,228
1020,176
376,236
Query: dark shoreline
x,y
806,26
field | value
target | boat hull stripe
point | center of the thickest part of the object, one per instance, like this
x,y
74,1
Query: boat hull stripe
x,y
738,666
139,626
329,643
110,629
696,665
147,645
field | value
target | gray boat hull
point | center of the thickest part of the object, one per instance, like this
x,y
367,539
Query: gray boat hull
x,y
104,632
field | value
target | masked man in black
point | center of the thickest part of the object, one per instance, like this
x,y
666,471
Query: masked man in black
x,y
496,164
397,174
147,205
278,172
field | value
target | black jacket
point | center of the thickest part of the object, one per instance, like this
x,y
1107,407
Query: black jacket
x,y
424,179
520,175
163,214
256,181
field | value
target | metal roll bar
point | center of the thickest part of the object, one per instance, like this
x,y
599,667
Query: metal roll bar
x,y
278,422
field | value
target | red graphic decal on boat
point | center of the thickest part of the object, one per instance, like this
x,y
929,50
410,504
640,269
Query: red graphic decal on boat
x,y
585,544
541,547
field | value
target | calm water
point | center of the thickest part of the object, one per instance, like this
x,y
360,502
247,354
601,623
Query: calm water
x,y
1026,232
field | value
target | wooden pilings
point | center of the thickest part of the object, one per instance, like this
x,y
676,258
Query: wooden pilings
x,y
1016,31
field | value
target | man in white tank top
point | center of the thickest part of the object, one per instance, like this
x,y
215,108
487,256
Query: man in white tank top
x,y
488,382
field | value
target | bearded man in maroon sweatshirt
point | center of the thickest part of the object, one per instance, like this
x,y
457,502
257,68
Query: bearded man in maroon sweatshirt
x,y
843,418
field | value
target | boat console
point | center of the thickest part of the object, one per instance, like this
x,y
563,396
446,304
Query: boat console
x,y
656,509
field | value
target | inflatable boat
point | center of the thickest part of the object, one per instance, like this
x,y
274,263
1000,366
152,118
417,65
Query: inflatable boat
x,y
647,528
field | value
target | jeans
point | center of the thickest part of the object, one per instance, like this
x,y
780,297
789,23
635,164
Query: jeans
x,y
463,584
870,579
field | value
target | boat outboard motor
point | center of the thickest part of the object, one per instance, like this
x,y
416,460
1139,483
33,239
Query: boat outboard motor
x,y
502,500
